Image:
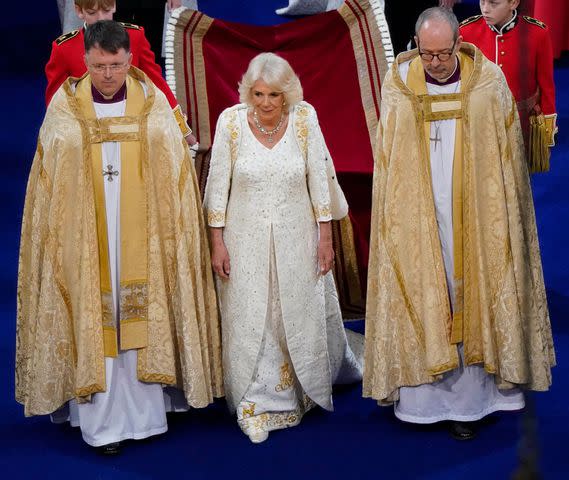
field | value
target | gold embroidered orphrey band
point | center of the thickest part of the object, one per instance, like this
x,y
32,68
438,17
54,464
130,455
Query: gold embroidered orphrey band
x,y
114,129
441,107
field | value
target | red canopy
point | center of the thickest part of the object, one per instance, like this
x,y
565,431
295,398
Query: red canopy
x,y
340,57
555,14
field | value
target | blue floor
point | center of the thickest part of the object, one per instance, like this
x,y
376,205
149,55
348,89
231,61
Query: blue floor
x,y
358,440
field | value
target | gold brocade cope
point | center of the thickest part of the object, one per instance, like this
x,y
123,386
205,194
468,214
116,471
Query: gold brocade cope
x,y
505,321
60,351
438,108
133,290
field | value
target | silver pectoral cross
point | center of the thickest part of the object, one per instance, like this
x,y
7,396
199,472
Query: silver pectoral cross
x,y
109,173
437,138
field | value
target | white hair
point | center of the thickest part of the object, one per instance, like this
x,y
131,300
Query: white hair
x,y
276,72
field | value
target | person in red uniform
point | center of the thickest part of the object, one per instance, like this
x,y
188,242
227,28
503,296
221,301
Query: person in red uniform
x,y
521,46
68,52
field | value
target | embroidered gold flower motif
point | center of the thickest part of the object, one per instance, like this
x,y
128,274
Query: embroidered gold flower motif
x,y
215,217
320,212
249,411
233,135
133,301
302,129
287,378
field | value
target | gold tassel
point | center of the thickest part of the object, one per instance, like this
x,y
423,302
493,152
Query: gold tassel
x,y
538,150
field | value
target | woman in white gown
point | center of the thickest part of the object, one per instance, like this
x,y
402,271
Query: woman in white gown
x,y
269,206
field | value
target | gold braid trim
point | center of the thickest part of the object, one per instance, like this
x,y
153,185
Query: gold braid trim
x,y
534,21
445,367
470,20
162,378
66,36
551,128
132,26
89,390
182,121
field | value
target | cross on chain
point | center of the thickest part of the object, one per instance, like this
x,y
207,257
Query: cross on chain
x,y
109,173
437,138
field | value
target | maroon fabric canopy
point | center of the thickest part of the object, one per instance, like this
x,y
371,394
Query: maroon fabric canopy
x,y
340,57
555,14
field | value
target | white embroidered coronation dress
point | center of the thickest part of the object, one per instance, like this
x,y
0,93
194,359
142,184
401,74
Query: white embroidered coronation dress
x,y
467,393
283,338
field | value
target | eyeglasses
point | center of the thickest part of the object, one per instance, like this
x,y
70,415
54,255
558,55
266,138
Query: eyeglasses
x,y
115,67
441,57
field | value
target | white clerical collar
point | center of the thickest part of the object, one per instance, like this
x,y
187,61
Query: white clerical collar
x,y
507,26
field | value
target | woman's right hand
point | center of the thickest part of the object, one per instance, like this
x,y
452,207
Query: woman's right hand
x,y
220,259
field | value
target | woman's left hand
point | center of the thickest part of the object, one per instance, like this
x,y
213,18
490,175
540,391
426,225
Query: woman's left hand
x,y
325,249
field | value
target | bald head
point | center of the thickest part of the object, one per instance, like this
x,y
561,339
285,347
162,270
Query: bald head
x,y
437,17
438,39
435,34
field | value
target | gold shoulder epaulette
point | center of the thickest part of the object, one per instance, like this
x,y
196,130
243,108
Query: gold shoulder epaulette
x,y
130,25
535,21
470,20
66,36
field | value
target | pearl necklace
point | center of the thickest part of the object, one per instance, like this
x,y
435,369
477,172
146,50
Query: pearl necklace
x,y
263,130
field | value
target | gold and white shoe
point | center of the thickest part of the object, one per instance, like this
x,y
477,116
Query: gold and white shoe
x,y
258,437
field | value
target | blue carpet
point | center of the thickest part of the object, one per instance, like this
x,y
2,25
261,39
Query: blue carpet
x,y
359,439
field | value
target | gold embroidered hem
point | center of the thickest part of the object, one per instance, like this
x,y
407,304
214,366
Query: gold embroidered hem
x,y
322,214
215,218
89,390
158,378
269,421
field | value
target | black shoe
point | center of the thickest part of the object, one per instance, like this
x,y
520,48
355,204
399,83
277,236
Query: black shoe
x,y
110,449
462,430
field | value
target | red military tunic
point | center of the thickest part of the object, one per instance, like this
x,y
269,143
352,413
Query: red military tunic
x,y
522,48
67,60
67,54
